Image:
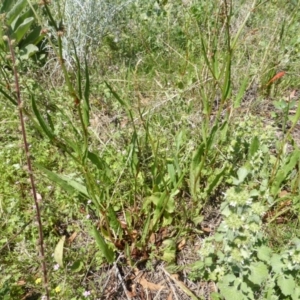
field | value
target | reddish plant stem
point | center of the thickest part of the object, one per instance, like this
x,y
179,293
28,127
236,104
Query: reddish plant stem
x,y
30,173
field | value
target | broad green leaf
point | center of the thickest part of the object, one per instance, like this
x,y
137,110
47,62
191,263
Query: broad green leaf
x,y
160,208
215,296
228,278
259,273
211,138
104,248
242,174
47,130
241,92
197,219
65,182
99,162
23,28
34,37
20,19
254,146
15,11
76,185
170,205
230,292
226,90
264,253
6,6
172,173
59,251
180,139
114,222
287,284
77,266
284,171
195,170
223,131
28,51
277,263
146,228
296,293
217,179
169,250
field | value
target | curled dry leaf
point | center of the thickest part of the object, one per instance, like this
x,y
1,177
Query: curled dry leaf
x,y
147,284
181,244
72,237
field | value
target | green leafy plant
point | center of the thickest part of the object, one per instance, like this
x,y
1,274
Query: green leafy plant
x,y
238,257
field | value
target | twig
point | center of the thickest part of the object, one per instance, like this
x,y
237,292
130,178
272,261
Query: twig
x,y
181,285
122,281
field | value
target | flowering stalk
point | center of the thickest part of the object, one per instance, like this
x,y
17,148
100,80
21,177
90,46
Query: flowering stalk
x,y
29,166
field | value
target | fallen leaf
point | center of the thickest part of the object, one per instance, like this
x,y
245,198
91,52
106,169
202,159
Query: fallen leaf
x,y
293,94
152,238
181,244
21,282
170,297
283,193
147,284
72,237
276,77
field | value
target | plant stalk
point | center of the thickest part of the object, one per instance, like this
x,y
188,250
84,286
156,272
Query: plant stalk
x,y
29,166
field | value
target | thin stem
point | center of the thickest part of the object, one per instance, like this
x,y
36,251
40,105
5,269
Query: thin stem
x,y
30,172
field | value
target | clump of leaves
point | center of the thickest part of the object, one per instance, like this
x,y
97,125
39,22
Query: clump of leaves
x,y
238,257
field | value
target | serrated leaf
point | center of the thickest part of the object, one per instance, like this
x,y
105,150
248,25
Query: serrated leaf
x,y
287,284
59,251
276,263
106,251
296,293
230,292
259,273
264,253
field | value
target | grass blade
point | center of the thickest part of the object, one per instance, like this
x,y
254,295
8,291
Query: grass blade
x,y
47,130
